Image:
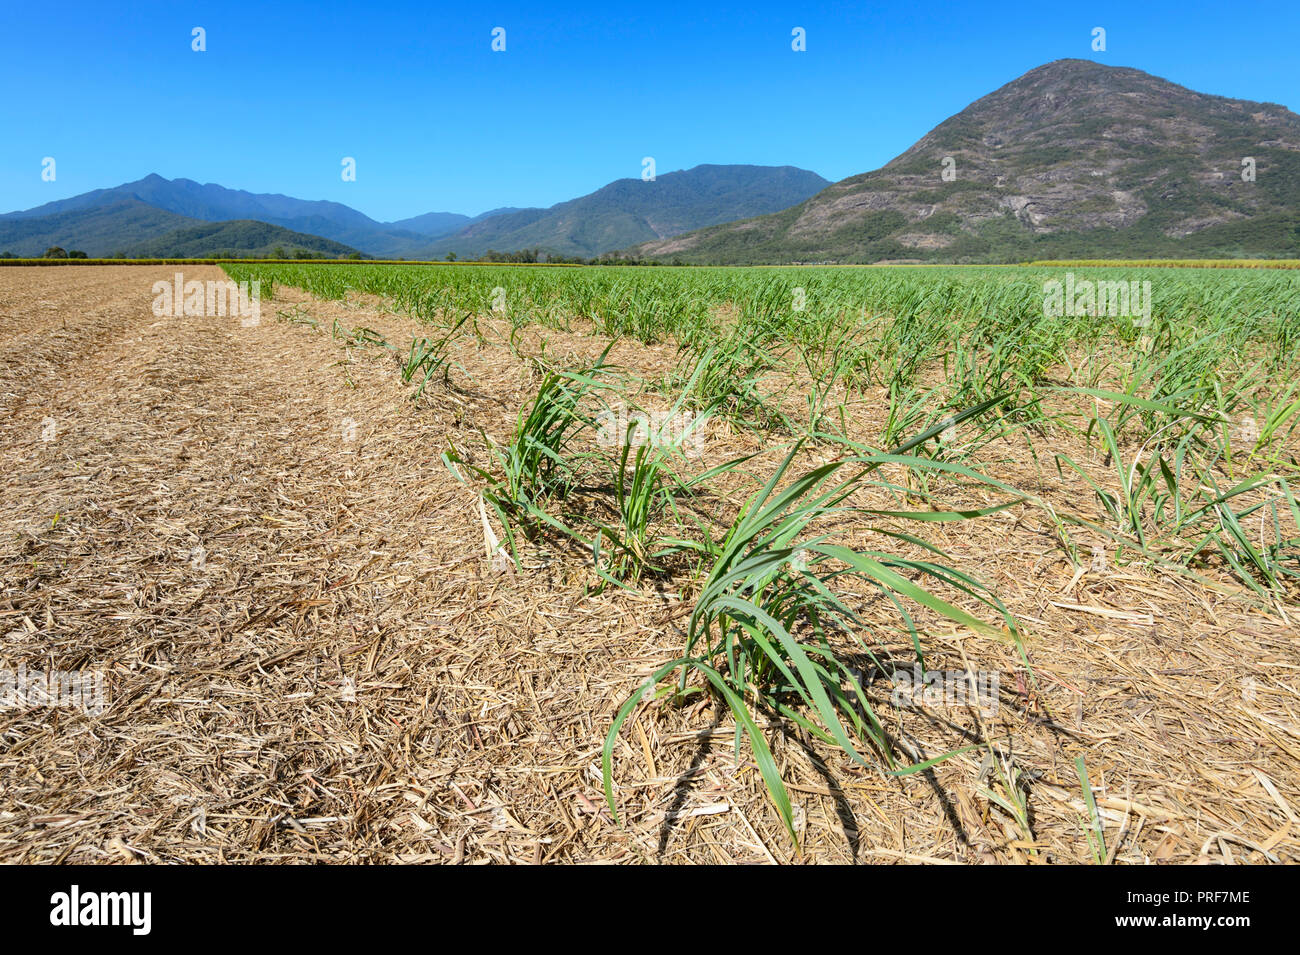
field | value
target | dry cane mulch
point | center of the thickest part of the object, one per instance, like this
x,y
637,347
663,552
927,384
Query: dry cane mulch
x,y
307,657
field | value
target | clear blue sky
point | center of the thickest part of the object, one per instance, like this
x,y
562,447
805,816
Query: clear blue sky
x,y
438,122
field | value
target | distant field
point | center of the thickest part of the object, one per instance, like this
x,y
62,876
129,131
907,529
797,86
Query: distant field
x,y
1063,263
651,303
1181,263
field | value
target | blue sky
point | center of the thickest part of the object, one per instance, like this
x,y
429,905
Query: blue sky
x,y
438,122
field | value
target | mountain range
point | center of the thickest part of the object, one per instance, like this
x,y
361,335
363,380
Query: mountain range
x,y
155,214
629,211
1071,160
152,207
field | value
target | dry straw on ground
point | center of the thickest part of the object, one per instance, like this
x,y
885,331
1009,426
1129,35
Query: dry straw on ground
x,y
308,656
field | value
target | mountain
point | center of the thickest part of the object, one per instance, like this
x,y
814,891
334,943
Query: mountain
x,y
432,224
620,214
97,230
632,210
495,212
1073,159
236,239
435,224
213,203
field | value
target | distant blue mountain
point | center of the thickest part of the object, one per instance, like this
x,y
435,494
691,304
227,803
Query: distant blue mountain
x,y
105,221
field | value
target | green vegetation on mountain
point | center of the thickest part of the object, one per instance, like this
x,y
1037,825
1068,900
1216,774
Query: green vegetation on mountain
x,y
97,230
633,210
1073,159
242,238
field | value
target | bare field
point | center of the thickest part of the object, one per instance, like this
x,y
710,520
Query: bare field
x,y
250,532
